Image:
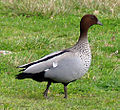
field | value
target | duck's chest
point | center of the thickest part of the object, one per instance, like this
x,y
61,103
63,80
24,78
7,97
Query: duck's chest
x,y
84,64
84,53
85,58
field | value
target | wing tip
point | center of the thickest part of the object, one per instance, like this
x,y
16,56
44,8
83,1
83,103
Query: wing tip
x,y
19,67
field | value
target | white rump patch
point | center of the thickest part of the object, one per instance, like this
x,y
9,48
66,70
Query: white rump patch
x,y
54,64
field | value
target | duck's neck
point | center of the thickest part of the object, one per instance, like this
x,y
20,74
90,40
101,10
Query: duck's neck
x,y
83,37
82,42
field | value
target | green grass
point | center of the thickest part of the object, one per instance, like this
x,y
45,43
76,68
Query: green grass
x,y
56,7
30,38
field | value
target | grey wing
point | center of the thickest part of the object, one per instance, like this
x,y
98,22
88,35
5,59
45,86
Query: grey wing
x,y
45,63
40,60
66,70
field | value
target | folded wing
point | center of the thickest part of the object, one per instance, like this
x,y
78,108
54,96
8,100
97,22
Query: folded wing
x,y
43,63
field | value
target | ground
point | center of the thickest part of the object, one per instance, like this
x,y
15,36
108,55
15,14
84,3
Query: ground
x,y
30,36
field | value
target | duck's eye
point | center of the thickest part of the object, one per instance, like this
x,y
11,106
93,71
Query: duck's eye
x,y
92,17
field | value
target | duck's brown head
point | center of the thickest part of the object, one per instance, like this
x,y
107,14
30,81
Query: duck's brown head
x,y
87,21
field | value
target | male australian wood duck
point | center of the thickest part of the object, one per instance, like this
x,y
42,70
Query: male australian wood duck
x,y
63,66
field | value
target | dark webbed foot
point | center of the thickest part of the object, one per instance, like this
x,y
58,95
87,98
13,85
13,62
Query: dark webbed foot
x,y
65,90
46,91
45,94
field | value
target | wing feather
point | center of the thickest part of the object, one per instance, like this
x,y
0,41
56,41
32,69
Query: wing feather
x,y
43,64
45,58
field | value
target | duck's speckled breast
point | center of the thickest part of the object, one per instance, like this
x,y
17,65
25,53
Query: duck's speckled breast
x,y
82,50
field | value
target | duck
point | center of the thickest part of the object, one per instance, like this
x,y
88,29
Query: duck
x,y
63,66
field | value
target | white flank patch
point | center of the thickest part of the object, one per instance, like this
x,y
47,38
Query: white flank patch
x,y
46,69
54,64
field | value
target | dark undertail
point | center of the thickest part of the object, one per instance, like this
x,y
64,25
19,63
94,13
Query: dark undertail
x,y
36,76
40,77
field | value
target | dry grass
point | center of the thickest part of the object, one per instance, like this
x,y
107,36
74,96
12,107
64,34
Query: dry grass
x,y
54,7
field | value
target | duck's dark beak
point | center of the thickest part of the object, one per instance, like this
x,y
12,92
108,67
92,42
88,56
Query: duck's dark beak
x,y
99,23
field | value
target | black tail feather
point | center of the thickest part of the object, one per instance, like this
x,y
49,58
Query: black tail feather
x,y
36,76
24,75
22,70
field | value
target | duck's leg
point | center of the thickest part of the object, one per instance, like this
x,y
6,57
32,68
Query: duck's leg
x,y
46,91
65,90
